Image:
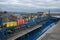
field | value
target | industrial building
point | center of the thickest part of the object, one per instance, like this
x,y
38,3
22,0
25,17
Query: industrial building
x,y
34,26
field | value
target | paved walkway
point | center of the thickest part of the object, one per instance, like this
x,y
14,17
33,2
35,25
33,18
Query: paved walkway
x,y
54,35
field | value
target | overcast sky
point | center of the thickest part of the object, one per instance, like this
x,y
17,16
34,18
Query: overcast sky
x,y
29,5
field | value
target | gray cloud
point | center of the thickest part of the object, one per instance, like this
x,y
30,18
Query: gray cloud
x,y
28,4
3,0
